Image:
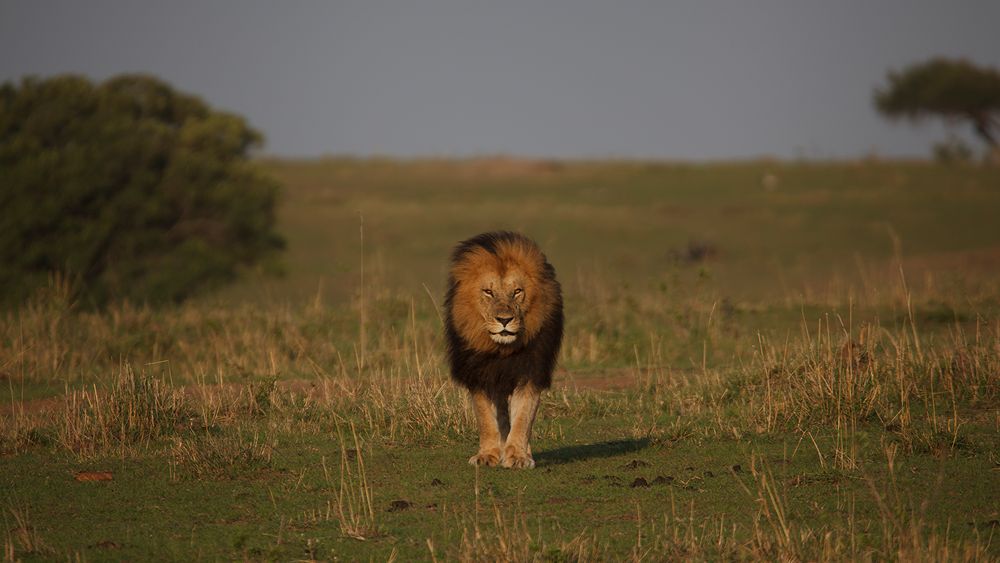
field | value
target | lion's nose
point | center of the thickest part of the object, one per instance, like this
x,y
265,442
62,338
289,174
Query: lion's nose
x,y
504,320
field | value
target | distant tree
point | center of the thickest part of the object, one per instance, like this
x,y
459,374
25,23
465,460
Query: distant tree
x,y
126,189
953,89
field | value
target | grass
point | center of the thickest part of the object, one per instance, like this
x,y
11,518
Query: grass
x,y
355,510
763,361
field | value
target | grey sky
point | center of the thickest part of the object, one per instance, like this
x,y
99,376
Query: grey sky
x,y
565,78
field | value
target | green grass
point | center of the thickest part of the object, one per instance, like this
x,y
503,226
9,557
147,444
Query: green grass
x,y
285,507
823,383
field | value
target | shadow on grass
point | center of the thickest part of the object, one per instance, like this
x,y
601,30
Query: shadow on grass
x,y
583,452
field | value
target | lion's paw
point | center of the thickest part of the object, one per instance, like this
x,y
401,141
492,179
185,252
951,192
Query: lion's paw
x,y
490,458
515,459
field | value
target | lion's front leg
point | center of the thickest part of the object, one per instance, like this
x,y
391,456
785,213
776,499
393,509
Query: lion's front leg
x,y
489,430
523,407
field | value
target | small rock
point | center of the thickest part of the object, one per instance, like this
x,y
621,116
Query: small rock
x,y
661,480
737,469
399,505
639,482
709,473
437,483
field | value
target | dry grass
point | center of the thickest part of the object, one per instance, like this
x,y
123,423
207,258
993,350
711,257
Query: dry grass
x,y
773,535
777,535
50,340
19,431
354,505
133,412
922,390
21,537
508,537
212,456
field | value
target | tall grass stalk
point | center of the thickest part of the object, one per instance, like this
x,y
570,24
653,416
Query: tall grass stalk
x,y
354,505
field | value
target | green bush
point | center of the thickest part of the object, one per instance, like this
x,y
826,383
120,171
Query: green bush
x,y
127,190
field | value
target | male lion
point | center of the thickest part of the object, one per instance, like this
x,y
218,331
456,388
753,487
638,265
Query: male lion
x,y
504,326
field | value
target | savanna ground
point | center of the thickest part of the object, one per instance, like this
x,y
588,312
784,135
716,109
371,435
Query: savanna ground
x,y
762,361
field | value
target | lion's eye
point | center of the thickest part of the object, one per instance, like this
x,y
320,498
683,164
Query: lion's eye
x,y
518,291
488,292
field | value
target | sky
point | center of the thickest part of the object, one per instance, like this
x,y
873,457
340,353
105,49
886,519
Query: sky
x,y
700,79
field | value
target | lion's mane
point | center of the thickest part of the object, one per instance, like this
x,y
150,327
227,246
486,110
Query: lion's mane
x,y
479,363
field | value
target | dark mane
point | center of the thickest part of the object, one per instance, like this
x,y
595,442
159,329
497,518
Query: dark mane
x,y
486,241
531,361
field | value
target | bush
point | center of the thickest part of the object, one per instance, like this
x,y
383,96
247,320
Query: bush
x,y
127,189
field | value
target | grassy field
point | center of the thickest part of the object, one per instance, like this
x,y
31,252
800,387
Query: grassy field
x,y
763,360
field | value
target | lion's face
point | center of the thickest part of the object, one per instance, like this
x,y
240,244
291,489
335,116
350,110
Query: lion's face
x,y
501,296
501,305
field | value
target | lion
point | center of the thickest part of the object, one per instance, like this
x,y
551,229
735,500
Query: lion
x,y
504,327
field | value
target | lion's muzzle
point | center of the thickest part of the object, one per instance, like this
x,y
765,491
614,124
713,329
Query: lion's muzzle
x,y
503,336
504,328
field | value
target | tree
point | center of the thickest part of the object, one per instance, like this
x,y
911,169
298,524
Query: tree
x,y
953,89
128,190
